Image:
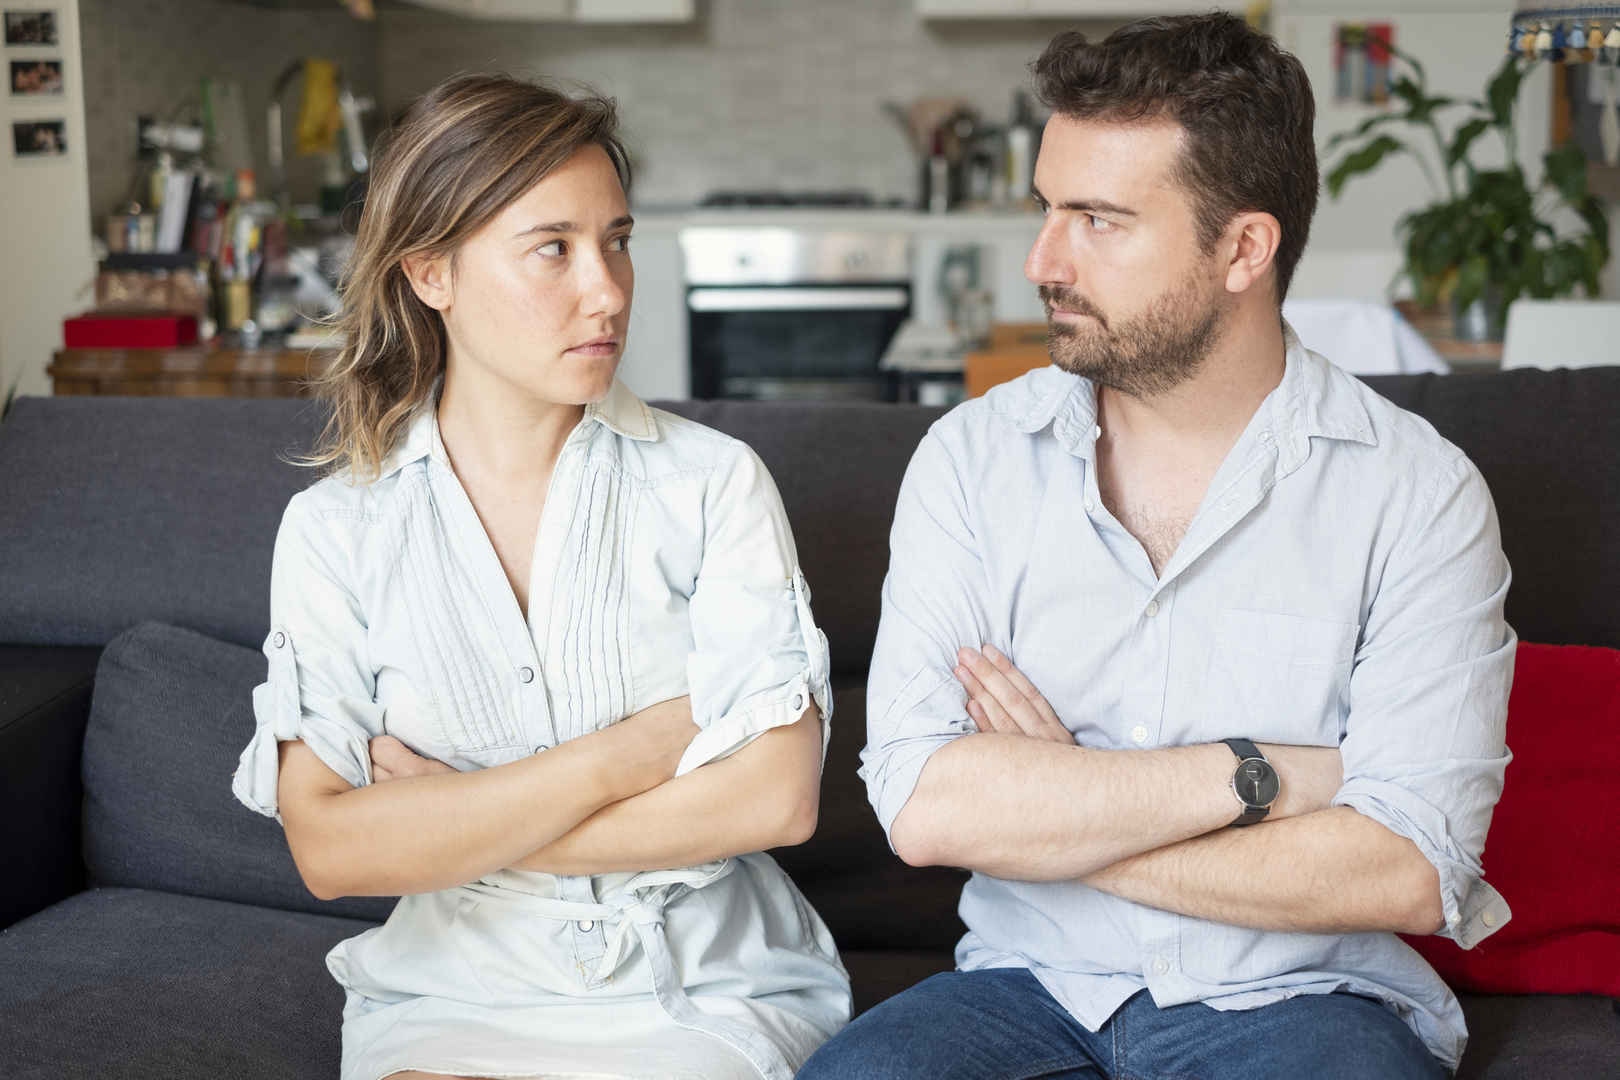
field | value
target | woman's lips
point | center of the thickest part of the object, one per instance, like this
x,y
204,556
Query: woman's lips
x,y
602,346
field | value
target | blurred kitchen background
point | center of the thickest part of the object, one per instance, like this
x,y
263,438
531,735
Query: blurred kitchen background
x,y
829,192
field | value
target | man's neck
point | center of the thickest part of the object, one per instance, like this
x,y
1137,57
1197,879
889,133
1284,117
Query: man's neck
x,y
1212,408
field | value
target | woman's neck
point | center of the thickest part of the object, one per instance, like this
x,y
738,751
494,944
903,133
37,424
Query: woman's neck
x,y
503,434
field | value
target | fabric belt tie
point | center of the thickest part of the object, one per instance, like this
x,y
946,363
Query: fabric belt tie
x,y
640,908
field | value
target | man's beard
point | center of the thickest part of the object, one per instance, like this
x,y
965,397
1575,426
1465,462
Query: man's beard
x,y
1143,358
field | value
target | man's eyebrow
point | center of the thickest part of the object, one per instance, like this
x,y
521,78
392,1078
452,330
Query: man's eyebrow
x,y
1084,206
569,226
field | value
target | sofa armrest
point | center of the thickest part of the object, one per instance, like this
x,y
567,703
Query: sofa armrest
x,y
44,706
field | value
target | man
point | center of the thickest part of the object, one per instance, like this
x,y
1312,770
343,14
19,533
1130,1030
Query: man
x,y
1240,590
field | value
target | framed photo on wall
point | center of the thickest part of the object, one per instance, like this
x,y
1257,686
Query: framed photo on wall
x,y
36,78
34,140
32,27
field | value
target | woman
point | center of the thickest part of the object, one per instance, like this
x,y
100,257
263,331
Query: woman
x,y
541,659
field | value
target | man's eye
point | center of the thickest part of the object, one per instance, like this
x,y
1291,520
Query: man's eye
x,y
1099,224
619,243
555,247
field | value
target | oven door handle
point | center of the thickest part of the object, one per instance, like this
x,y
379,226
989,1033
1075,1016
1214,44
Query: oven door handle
x,y
780,299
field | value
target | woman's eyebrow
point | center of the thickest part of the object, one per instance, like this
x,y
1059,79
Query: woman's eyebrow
x,y
569,226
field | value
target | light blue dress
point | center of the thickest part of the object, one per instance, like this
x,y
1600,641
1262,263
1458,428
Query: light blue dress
x,y
663,566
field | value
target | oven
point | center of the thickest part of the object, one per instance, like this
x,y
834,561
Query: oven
x,y
793,314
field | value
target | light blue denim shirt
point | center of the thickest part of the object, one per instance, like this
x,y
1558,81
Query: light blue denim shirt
x,y
1341,585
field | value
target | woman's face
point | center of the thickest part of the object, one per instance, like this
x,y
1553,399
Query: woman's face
x,y
537,302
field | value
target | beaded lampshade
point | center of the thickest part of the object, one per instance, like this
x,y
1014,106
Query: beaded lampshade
x,y
1566,33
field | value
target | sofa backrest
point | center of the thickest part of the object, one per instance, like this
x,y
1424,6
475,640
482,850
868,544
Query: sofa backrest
x,y
114,511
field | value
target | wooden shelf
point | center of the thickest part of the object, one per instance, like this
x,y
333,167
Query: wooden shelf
x,y
188,371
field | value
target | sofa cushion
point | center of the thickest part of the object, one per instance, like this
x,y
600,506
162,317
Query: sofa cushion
x,y
151,986
839,469
116,510
1553,850
867,896
1540,1037
171,713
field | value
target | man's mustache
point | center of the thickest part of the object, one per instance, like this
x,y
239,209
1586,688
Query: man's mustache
x,y
1061,296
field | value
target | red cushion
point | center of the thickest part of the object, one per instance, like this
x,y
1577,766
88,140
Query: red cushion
x,y
1553,851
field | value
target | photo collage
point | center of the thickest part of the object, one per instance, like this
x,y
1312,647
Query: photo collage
x,y
33,57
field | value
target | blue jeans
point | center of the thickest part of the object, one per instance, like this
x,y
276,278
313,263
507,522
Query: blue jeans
x,y
1001,1024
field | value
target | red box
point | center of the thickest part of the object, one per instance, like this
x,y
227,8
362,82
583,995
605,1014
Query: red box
x,y
117,330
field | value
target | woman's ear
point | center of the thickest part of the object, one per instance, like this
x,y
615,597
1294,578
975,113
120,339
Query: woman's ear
x,y
429,276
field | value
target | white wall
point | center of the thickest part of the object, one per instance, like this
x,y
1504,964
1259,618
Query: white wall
x,y
1353,249
46,270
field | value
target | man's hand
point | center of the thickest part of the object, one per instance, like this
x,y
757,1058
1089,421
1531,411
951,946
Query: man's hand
x,y
1003,700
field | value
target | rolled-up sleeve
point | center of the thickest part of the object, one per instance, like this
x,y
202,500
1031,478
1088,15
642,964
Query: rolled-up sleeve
x,y
321,688
758,659
934,602
1424,750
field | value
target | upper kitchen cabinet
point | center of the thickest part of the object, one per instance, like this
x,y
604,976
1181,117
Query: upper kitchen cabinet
x,y
1046,9
579,11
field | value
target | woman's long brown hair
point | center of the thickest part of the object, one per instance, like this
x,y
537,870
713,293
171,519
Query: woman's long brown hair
x,y
465,151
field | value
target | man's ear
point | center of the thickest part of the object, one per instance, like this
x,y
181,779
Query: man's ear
x,y
1252,242
429,276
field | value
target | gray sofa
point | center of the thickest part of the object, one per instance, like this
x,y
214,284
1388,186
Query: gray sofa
x,y
155,928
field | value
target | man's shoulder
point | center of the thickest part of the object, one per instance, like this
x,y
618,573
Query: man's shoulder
x,y
1399,439
1009,411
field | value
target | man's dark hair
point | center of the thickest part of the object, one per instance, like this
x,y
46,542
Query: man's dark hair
x,y
1245,105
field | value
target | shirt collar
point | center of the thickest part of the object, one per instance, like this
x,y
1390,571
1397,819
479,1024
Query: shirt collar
x,y
1314,399
621,412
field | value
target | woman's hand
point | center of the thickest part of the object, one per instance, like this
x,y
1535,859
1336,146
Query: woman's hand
x,y
393,760
1001,699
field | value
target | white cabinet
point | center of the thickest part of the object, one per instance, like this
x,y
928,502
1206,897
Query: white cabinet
x,y
1051,9
633,11
579,11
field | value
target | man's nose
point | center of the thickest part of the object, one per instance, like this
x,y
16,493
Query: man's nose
x,y
1050,262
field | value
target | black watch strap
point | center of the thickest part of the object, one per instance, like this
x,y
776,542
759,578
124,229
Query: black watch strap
x,y
1245,749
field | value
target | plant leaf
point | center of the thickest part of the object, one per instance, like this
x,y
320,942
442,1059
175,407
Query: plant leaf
x,y
1463,139
1566,171
1503,91
1364,160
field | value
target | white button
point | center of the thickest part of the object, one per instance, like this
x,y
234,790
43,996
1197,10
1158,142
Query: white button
x,y
281,639
526,674
586,926
798,702
1454,920
1139,733
1265,435
1160,965
1489,918
1152,609
1096,432
1090,506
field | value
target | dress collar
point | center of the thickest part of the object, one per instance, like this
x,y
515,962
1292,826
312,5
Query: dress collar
x,y
621,412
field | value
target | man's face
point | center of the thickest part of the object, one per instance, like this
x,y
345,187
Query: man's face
x,y
1132,301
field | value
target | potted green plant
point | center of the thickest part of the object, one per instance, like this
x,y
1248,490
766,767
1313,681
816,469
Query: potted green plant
x,y
1486,239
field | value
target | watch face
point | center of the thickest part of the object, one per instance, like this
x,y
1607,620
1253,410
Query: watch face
x,y
1256,782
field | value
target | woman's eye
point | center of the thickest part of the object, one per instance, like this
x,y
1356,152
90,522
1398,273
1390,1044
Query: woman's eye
x,y
555,247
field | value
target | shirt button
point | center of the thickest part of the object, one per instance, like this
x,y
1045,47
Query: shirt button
x,y
1454,920
798,702
1139,733
1489,918
1265,435
1160,965
526,674
1096,432
1152,609
1090,506
281,639
586,926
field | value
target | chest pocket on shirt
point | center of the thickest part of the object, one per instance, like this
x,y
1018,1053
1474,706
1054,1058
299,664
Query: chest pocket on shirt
x,y
1280,678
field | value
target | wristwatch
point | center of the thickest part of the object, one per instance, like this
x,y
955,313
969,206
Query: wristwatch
x,y
1255,783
